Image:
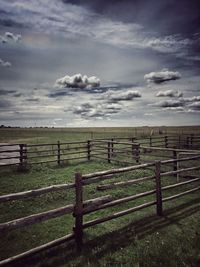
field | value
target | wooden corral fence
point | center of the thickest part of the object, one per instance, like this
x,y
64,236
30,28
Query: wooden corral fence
x,y
81,207
119,150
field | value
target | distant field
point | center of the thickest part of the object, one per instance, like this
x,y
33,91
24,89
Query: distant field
x,y
40,135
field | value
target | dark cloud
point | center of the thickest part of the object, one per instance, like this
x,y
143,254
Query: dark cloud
x,y
33,99
170,103
166,16
5,104
194,106
6,92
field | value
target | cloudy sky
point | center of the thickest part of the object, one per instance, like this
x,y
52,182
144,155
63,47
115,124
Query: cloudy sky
x,y
139,62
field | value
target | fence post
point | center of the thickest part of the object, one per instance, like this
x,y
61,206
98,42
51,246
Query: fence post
x,y
22,157
150,141
25,156
179,141
175,168
109,152
158,189
166,141
88,149
191,140
112,147
137,153
78,212
187,141
58,155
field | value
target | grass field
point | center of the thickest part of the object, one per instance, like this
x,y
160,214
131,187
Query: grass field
x,y
138,239
43,135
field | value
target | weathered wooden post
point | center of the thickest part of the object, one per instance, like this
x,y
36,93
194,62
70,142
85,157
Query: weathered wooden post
x,y
25,156
112,147
191,140
109,148
179,141
166,141
158,189
137,153
58,154
175,168
78,212
187,141
150,141
88,149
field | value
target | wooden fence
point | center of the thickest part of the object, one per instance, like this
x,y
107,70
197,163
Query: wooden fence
x,y
131,150
81,207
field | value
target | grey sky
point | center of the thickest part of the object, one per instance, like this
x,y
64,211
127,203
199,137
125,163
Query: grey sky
x,y
120,42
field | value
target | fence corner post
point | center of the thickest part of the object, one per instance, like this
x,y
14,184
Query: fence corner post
x,y
78,212
58,155
158,189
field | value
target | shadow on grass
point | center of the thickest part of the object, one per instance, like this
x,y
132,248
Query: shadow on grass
x,y
113,241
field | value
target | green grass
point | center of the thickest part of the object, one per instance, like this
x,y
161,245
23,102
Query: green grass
x,y
138,239
44,135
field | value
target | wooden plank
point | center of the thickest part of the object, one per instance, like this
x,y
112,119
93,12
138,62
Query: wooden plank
x,y
179,171
35,218
112,203
179,184
38,249
181,194
35,192
120,170
117,214
124,183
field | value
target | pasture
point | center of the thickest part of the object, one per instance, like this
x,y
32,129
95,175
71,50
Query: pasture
x,y
138,239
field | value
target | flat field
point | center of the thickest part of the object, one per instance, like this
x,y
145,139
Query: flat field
x,y
138,239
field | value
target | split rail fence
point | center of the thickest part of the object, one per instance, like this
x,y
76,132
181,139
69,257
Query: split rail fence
x,y
82,207
115,149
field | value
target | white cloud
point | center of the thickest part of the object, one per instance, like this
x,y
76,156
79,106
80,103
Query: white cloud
x,y
162,76
97,110
12,36
5,63
9,36
192,99
117,96
169,93
77,81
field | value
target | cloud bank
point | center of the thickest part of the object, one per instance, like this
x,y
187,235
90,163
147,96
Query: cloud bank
x,y
162,76
77,81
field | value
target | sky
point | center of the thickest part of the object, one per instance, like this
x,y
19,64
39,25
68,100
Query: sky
x,y
99,63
